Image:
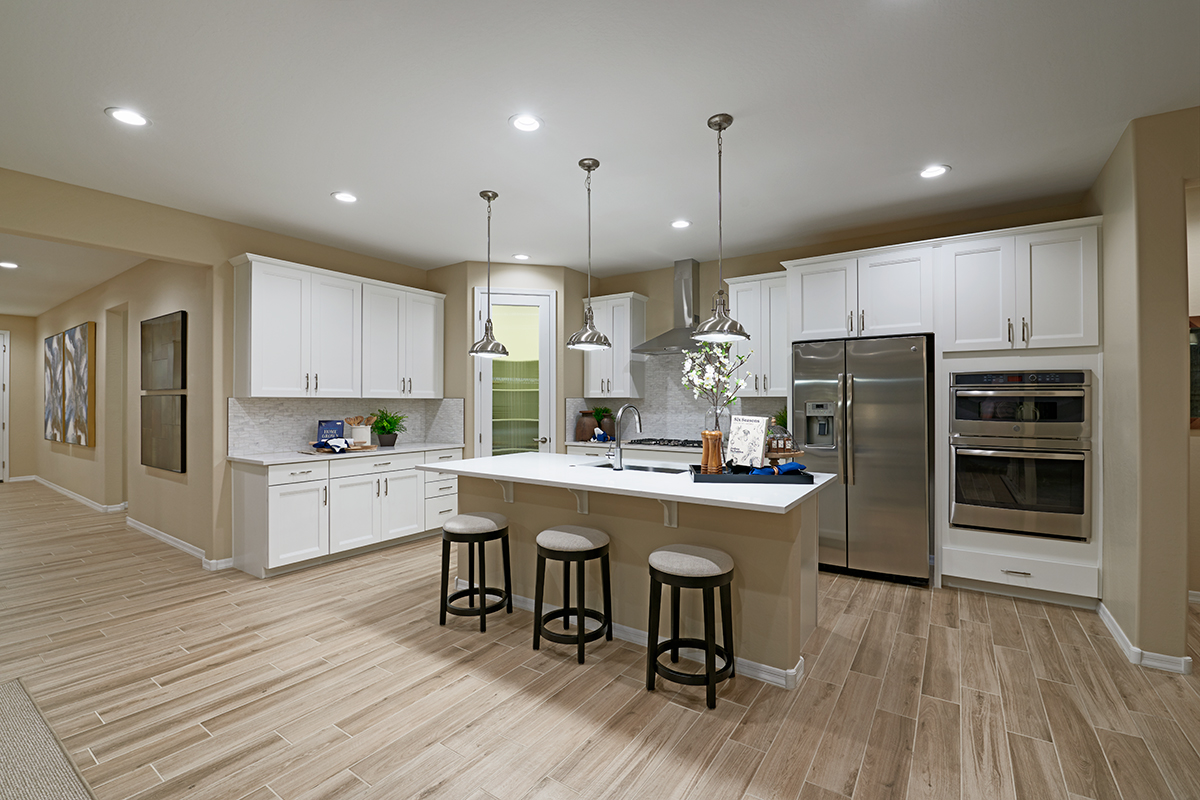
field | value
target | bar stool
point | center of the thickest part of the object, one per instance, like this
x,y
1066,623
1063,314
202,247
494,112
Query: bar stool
x,y
571,543
475,529
686,566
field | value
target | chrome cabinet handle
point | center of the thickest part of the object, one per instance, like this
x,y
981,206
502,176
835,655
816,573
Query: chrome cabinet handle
x,y
756,383
316,381
303,472
862,321
445,510
385,487
1010,341
306,381
377,487
1024,331
410,385
444,458
383,464
765,387
1017,572
610,384
325,490
851,321
850,426
445,488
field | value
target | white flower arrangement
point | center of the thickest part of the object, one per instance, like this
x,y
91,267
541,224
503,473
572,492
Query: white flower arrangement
x,y
710,371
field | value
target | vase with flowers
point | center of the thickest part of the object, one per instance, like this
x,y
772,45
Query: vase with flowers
x,y
710,371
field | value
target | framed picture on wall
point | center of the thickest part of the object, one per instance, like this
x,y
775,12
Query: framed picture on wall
x,y
53,368
164,352
79,385
164,431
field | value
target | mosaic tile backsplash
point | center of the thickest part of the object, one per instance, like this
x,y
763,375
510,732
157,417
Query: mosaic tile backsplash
x,y
275,425
669,411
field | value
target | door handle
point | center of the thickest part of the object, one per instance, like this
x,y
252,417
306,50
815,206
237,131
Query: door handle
x,y
1010,341
839,439
541,440
1024,331
850,426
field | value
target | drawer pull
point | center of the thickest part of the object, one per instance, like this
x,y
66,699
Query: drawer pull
x,y
303,472
1017,572
445,488
443,458
383,464
445,510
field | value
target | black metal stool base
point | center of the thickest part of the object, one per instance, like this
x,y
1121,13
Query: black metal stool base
x,y
474,543
475,611
691,678
572,638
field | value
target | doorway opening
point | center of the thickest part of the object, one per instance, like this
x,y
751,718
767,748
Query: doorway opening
x,y
116,389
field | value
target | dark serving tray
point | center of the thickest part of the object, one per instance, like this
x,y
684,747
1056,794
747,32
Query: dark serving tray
x,y
746,477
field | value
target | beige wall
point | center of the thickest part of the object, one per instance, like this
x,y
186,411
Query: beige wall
x,y
24,399
1141,194
1192,209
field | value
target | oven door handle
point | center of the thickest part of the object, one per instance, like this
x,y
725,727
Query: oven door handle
x,y
1051,456
1015,392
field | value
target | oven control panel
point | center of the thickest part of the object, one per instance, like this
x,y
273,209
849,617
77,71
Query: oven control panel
x,y
1077,378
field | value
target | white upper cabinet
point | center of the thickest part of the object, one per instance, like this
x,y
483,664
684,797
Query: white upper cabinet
x,y
1028,290
306,332
617,372
760,304
402,343
880,293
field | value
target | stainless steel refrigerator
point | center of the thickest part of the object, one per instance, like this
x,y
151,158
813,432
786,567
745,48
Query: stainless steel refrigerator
x,y
861,408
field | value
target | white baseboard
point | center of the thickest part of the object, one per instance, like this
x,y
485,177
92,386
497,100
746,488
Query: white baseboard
x,y
786,678
1194,597
218,564
92,504
179,544
1179,664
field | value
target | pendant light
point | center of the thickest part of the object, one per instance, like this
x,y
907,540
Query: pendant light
x,y
720,327
587,337
488,347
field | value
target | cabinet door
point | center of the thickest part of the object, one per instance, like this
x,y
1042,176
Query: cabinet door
x,y
280,299
776,347
425,346
974,287
403,503
354,504
1057,288
620,357
297,522
336,337
384,336
895,292
745,305
598,364
823,299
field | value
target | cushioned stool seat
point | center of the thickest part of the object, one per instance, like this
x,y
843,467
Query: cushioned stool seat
x,y
473,530
572,543
687,566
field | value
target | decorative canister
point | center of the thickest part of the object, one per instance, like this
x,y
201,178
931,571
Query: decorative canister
x,y
609,425
585,426
359,433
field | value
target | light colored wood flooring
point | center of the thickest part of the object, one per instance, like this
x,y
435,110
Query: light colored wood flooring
x,y
166,681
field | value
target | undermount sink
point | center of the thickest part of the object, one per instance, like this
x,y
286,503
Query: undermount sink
x,y
641,468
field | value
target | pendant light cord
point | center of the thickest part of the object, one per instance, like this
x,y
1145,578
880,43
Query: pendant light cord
x,y
720,230
489,264
588,183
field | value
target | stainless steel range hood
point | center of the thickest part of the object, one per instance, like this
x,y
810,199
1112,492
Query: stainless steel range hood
x,y
685,292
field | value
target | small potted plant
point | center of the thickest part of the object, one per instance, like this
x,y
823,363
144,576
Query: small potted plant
x,y
604,419
387,426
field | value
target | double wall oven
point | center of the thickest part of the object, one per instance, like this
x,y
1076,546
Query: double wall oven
x,y
1021,452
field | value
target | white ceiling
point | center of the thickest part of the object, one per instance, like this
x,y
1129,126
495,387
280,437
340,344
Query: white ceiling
x,y
261,109
49,273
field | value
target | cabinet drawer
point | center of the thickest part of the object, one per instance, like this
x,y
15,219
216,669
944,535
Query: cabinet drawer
x,y
442,487
433,456
1032,573
368,465
438,510
596,451
295,473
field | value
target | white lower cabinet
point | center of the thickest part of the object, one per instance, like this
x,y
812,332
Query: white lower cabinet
x,y
286,514
1016,570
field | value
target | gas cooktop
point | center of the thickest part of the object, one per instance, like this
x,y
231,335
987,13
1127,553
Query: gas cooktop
x,y
668,442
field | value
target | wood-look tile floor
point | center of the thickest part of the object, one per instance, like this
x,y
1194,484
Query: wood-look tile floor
x,y
166,681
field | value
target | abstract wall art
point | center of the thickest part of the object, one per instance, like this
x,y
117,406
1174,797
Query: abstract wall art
x,y
54,388
79,386
164,352
164,431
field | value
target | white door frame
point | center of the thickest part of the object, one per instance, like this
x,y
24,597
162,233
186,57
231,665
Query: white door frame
x,y
483,367
5,358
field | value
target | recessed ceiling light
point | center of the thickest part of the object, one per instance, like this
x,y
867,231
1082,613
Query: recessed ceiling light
x,y
345,197
126,115
525,122
520,257
935,170
8,265
681,223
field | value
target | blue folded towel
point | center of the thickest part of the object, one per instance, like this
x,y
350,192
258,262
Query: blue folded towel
x,y
336,445
782,469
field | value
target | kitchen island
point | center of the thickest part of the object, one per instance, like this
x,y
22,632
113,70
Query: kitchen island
x,y
770,530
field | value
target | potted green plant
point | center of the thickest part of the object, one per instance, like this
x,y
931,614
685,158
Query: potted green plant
x,y
387,426
604,418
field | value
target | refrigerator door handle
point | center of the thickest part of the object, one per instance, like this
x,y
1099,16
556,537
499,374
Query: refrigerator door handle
x,y
849,449
838,430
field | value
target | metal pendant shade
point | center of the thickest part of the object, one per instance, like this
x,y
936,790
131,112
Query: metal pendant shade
x,y
488,347
720,327
588,337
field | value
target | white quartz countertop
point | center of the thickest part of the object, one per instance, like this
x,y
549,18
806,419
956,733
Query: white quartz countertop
x,y
574,472
296,457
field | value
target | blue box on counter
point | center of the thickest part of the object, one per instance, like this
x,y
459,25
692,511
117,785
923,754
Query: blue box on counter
x,y
330,429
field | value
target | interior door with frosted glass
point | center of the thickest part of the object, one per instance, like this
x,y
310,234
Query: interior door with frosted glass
x,y
514,402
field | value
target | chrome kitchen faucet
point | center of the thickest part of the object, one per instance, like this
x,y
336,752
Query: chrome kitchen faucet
x,y
617,431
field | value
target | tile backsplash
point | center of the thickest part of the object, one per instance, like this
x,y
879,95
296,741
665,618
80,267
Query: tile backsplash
x,y
669,410
274,425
